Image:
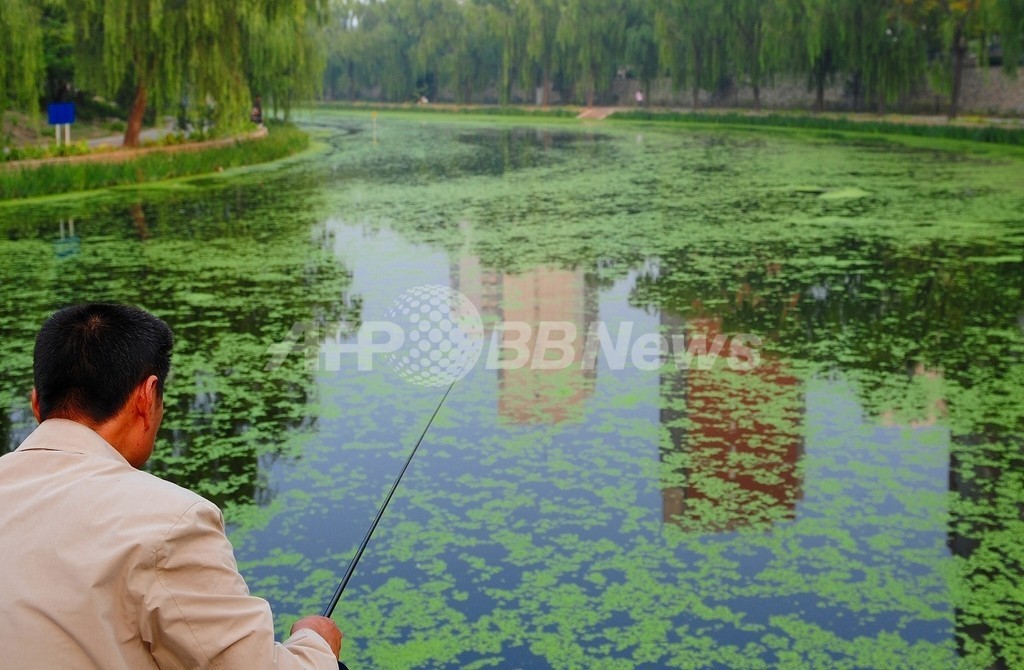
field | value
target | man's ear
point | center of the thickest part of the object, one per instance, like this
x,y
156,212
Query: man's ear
x,y
147,397
35,405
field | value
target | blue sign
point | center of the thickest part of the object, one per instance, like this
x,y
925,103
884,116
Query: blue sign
x,y
61,112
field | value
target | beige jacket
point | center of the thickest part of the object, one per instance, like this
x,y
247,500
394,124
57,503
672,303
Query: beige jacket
x,y
105,566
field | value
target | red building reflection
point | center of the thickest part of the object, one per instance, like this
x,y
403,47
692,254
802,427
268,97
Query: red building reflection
x,y
735,439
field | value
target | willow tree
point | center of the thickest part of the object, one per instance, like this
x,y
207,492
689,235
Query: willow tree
x,y
691,39
958,23
592,34
747,24
503,20
460,43
540,21
286,54
21,58
437,54
191,50
819,36
641,48
885,50
1011,32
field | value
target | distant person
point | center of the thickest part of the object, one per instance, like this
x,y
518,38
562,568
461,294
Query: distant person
x,y
108,567
256,115
639,98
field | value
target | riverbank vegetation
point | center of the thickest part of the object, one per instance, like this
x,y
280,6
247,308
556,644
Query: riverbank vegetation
x,y
880,49
973,133
282,140
206,61
210,64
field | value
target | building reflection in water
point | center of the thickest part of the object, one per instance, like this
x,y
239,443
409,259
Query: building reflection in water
x,y
734,439
984,534
530,394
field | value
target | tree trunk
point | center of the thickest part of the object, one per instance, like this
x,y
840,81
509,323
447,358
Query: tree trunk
x,y
696,77
755,65
569,91
351,80
959,56
545,94
131,133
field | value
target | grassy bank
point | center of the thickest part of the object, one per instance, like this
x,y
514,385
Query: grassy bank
x,y
980,133
283,140
482,110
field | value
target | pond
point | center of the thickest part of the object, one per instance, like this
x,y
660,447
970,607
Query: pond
x,y
843,487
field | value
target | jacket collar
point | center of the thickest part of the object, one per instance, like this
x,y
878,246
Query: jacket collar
x,y
71,437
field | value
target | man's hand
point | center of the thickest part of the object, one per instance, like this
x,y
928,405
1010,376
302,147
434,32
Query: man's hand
x,y
323,627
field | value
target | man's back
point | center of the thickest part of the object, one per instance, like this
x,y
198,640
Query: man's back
x,y
109,567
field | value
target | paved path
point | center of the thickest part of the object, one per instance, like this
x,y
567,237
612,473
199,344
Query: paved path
x,y
144,136
599,113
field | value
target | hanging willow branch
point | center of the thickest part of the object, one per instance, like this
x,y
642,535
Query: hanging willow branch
x,y
21,58
205,54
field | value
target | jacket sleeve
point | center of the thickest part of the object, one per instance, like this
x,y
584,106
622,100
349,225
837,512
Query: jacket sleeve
x,y
197,611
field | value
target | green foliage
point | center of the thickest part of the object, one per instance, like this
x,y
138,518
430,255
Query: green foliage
x,y
21,57
880,50
980,133
199,52
30,152
285,53
282,141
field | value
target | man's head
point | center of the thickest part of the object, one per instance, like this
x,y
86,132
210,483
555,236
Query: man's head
x,y
104,366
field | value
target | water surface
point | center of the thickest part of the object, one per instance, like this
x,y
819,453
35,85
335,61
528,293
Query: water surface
x,y
853,501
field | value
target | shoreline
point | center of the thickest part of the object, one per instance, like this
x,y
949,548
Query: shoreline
x,y
980,129
125,155
69,175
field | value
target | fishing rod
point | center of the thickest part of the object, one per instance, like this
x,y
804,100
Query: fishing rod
x,y
329,610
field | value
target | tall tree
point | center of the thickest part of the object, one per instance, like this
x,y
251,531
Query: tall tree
x,y
747,24
58,49
592,34
1010,19
505,19
641,50
473,59
194,50
286,52
21,58
820,34
957,22
885,50
540,21
691,40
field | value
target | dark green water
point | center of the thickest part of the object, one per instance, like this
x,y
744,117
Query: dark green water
x,y
854,501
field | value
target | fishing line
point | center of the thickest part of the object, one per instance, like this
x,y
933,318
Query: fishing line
x,y
329,610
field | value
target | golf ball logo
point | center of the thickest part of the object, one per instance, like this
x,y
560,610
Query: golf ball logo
x,y
444,335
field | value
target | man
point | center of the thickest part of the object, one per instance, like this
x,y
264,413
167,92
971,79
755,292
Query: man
x,y
104,566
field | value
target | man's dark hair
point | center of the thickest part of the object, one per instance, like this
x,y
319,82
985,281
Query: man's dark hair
x,y
89,358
